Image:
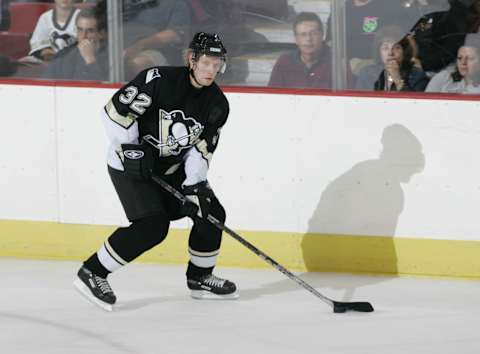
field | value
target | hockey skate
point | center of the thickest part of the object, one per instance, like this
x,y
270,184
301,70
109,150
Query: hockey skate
x,y
96,289
212,287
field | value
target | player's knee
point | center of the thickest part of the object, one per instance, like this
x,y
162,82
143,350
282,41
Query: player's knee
x,y
218,211
152,229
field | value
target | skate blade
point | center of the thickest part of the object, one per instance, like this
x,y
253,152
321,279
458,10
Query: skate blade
x,y
83,289
207,295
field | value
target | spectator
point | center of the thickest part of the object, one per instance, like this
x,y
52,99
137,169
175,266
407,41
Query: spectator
x,y
155,33
439,35
88,60
55,30
309,65
464,75
394,68
363,18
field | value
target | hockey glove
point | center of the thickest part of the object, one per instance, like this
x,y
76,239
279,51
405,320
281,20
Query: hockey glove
x,y
200,197
137,161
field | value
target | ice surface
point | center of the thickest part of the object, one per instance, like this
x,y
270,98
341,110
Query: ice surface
x,y
40,312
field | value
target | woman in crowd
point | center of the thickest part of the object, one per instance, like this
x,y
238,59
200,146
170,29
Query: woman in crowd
x,y
394,68
464,75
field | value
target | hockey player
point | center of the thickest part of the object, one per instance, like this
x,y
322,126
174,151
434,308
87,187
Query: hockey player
x,y
167,122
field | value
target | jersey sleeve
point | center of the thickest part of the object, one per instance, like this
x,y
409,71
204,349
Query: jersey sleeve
x,y
198,158
135,98
40,36
121,113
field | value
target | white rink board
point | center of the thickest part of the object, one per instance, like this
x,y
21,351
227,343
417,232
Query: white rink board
x,y
289,163
284,163
87,195
28,170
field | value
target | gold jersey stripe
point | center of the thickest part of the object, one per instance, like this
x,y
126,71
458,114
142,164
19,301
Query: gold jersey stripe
x,y
202,148
172,169
203,254
113,114
114,254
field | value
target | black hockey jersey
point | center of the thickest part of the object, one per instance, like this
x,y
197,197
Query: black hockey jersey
x,y
163,109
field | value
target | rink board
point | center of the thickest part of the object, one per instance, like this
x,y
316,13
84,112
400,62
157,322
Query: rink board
x,y
393,181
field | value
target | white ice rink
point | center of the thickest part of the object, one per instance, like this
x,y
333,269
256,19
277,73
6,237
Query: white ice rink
x,y
40,312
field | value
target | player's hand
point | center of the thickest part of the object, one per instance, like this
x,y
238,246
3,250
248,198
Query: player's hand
x,y
137,161
201,196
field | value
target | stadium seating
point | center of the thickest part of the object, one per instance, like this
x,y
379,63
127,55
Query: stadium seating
x,y
14,45
24,16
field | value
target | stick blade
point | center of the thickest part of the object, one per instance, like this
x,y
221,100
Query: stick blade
x,y
340,307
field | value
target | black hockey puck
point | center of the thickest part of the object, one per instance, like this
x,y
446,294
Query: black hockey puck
x,y
337,308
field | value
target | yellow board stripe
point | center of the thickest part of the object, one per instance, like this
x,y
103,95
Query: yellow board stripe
x,y
297,252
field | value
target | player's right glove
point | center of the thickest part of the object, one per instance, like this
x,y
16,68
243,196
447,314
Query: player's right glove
x,y
200,197
137,161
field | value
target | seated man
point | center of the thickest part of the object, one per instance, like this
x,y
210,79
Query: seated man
x,y
88,60
55,30
309,65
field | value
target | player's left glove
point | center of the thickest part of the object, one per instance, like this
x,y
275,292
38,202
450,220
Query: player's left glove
x,y
137,161
201,195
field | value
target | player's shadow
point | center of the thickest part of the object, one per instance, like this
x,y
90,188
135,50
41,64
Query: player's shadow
x,y
365,200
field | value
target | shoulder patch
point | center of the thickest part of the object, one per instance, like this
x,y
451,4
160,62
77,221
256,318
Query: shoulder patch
x,y
152,74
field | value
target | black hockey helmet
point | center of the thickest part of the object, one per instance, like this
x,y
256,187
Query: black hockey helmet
x,y
208,44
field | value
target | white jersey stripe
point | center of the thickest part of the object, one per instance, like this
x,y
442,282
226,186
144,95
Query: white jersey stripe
x,y
107,260
203,259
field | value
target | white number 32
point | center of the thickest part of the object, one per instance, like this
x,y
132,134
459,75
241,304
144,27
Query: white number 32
x,y
138,102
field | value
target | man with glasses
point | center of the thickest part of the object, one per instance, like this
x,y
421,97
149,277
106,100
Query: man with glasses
x,y
88,59
310,65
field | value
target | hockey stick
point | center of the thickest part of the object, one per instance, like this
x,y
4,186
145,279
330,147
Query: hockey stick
x,y
338,306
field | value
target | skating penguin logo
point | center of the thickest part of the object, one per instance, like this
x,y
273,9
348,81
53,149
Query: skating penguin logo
x,y
61,41
176,133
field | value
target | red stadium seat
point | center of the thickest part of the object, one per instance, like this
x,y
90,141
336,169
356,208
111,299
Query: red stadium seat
x,y
24,16
14,45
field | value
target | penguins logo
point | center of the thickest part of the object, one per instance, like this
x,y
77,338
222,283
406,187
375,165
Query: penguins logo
x,y
61,41
176,132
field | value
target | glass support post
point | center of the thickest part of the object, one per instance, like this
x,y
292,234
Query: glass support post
x,y
115,40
